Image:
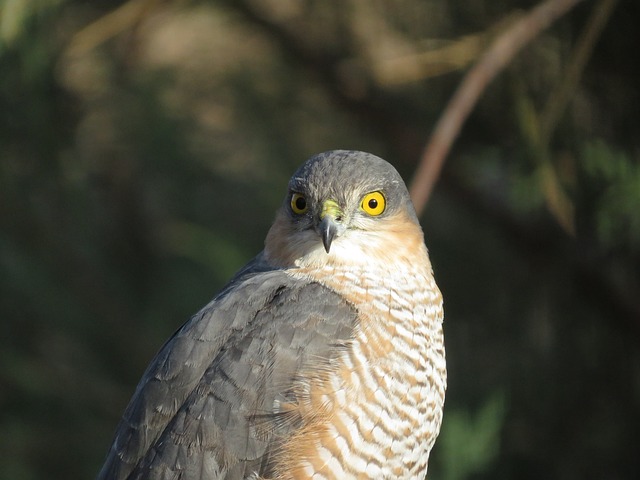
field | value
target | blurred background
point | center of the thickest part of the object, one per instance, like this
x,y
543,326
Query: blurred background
x,y
145,146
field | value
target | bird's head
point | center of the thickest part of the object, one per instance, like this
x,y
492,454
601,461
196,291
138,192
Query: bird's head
x,y
343,207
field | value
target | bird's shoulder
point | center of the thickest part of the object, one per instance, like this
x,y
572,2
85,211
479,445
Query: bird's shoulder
x,y
210,391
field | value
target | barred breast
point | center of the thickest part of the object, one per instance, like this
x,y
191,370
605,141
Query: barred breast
x,y
377,412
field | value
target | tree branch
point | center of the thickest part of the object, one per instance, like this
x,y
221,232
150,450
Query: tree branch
x,y
490,64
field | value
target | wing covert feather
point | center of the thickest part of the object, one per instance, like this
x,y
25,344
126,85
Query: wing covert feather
x,y
204,409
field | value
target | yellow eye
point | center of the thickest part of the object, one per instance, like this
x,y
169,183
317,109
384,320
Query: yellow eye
x,y
373,203
298,203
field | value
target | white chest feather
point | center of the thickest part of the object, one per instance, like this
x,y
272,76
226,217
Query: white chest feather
x,y
387,398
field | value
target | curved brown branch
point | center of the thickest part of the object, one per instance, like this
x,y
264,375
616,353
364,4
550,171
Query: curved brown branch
x,y
109,25
490,64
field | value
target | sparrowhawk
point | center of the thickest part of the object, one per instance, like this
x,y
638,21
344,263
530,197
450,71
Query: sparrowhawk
x,y
322,358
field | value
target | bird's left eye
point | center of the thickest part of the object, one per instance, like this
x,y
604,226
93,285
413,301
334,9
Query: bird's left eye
x,y
299,203
373,203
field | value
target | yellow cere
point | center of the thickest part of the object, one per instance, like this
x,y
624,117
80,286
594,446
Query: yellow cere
x,y
299,203
373,203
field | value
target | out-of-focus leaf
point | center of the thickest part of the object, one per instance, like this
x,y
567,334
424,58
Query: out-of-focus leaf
x,y
470,442
617,176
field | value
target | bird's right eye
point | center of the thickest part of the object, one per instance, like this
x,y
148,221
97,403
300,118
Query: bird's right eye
x,y
298,203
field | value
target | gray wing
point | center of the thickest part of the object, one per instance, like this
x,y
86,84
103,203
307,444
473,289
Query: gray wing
x,y
204,409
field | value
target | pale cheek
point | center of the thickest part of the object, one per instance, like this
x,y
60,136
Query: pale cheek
x,y
389,242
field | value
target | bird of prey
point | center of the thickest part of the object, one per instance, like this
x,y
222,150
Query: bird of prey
x,y
322,358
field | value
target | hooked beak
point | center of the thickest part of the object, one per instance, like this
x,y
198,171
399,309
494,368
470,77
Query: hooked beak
x,y
330,225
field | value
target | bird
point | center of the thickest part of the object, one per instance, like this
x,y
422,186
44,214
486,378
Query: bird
x,y
322,358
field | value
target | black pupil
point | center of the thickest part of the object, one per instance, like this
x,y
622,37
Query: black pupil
x,y
373,204
301,203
